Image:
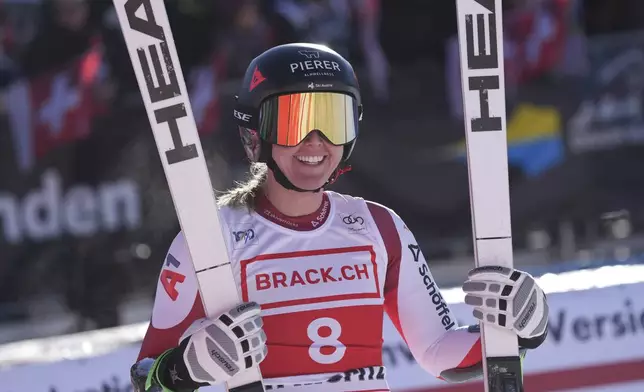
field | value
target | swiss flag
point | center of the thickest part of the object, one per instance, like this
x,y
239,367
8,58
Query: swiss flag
x,y
203,89
537,37
53,108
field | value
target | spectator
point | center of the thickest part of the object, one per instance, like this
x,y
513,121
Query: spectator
x,y
248,36
66,33
320,21
368,17
349,27
8,67
604,17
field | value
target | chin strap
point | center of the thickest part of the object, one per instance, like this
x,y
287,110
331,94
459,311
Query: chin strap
x,y
265,155
341,169
283,181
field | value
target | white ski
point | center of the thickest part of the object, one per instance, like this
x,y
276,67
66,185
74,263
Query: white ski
x,y
480,37
150,43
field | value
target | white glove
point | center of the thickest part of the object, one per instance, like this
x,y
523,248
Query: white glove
x,y
508,298
218,349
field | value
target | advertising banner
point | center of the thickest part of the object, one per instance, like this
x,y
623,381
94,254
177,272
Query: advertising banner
x,y
595,343
611,113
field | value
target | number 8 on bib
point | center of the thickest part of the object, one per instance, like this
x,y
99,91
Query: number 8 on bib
x,y
320,342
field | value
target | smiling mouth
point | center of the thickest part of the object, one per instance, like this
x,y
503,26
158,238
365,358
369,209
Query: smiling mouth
x,y
311,159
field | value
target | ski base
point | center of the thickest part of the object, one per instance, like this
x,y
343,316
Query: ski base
x,y
504,374
256,386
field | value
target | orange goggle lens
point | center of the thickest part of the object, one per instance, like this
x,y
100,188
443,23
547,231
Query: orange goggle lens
x,y
286,120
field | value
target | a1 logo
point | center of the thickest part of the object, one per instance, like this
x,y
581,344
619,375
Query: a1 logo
x,y
176,291
169,278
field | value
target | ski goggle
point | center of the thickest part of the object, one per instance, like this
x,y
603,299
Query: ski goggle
x,y
286,120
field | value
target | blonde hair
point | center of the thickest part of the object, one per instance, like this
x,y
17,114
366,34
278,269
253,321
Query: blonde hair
x,y
245,193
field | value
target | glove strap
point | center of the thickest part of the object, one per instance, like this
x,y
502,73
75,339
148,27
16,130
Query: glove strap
x,y
170,369
153,378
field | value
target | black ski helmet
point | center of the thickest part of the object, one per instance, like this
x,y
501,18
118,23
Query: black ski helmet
x,y
290,69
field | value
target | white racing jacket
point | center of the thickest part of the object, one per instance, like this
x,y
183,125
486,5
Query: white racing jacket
x,y
324,282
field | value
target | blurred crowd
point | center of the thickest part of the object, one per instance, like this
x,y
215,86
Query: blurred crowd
x,y
38,36
215,40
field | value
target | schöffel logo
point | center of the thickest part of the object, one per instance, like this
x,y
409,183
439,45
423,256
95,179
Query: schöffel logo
x,y
432,290
244,237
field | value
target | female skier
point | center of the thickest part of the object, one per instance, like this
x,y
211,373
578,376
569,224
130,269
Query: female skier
x,y
317,270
